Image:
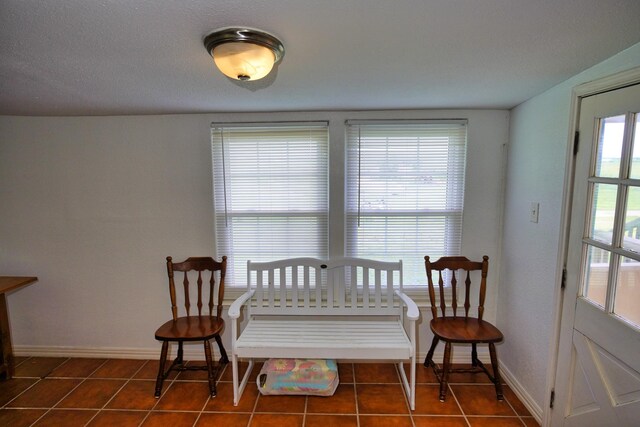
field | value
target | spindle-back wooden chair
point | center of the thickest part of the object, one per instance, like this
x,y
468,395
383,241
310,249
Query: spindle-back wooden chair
x,y
199,326
454,327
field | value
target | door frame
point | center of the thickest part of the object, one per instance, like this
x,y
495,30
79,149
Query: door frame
x,y
565,299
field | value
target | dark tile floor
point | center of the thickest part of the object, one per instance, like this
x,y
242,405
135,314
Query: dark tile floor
x,y
119,392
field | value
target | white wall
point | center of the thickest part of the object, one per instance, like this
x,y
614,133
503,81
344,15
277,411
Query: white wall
x,y
539,134
93,205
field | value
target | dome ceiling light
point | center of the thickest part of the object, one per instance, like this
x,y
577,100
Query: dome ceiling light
x,y
244,53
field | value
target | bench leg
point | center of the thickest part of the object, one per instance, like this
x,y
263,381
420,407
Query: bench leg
x,y
413,382
234,366
409,384
238,386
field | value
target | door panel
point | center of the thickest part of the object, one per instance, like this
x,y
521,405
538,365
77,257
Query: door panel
x,y
600,386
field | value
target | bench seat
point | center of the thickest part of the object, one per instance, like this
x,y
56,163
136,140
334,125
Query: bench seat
x,y
324,339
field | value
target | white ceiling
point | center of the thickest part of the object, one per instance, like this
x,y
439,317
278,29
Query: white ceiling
x,y
103,57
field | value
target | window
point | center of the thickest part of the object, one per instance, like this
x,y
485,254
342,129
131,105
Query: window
x,y
405,191
401,198
612,245
270,185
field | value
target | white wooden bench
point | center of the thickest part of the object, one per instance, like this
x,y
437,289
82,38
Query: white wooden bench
x,y
347,308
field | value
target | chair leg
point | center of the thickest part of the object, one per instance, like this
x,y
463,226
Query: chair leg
x,y
429,358
210,370
474,355
444,380
179,359
163,359
223,353
496,371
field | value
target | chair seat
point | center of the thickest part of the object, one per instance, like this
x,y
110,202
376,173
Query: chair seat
x,y
190,328
465,330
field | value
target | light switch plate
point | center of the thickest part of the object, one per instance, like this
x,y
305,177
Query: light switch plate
x,y
534,211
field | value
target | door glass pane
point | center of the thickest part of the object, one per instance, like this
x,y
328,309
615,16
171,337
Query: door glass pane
x,y
627,298
635,159
597,274
610,146
603,212
631,240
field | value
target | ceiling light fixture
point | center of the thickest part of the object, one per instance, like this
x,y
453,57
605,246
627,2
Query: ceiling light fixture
x,y
244,53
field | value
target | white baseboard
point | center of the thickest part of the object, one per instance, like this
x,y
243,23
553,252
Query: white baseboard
x,y
522,393
192,351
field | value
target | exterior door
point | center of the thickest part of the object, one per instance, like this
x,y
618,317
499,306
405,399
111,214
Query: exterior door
x,y
598,377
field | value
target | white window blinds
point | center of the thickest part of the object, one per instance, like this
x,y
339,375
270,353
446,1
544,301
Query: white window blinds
x,y
405,191
270,186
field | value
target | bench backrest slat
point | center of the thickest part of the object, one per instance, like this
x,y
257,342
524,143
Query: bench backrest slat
x,y
294,288
354,289
283,287
378,288
306,291
329,285
259,289
272,288
389,287
312,286
365,290
318,286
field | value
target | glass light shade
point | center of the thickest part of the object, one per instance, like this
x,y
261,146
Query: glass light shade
x,y
243,61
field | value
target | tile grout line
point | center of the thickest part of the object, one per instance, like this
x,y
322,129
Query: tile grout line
x,y
168,386
304,414
33,385
22,392
355,391
452,393
85,378
407,398
217,381
91,373
63,397
118,391
513,409
255,404
205,402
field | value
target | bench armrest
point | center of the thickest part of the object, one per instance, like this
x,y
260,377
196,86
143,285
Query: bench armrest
x,y
412,308
234,308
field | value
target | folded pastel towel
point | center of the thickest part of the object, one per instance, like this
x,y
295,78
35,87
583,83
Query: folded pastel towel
x,y
316,377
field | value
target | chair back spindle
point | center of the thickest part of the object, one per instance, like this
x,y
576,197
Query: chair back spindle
x,y
456,267
206,268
